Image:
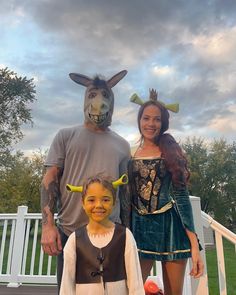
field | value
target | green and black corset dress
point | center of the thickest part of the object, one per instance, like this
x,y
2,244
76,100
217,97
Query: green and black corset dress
x,y
159,218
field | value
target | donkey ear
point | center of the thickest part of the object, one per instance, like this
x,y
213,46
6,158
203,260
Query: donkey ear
x,y
81,79
116,78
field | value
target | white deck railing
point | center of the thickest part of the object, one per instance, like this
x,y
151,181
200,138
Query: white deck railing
x,y
20,250
23,261
220,233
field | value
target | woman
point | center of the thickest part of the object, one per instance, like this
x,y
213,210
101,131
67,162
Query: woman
x,y
162,220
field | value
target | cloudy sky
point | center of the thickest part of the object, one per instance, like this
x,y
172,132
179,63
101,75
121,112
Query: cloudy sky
x,y
184,49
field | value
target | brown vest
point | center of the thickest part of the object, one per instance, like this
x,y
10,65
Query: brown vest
x,y
93,262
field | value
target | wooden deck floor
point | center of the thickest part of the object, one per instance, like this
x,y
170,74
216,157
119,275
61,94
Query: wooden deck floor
x,y
28,290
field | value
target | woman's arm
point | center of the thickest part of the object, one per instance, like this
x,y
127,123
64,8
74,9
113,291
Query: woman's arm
x,y
197,263
184,209
183,206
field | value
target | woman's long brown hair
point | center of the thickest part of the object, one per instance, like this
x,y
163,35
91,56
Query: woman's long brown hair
x,y
176,162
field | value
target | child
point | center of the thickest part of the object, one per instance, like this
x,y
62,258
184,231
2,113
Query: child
x,y
101,257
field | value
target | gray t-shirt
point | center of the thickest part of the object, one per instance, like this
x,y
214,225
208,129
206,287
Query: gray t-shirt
x,y
82,153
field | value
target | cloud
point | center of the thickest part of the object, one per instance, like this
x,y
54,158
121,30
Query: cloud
x,y
185,50
225,124
163,70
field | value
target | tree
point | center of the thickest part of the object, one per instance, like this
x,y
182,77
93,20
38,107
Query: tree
x,y
213,177
196,151
222,176
20,182
15,95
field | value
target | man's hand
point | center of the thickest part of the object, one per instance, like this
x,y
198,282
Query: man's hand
x,y
51,240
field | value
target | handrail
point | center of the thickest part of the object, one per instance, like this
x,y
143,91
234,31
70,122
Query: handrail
x,y
220,232
209,221
4,216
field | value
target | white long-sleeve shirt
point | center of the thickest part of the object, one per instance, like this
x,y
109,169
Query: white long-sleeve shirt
x,y
132,286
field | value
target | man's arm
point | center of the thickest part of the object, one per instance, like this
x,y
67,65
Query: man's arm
x,y
125,206
124,193
50,191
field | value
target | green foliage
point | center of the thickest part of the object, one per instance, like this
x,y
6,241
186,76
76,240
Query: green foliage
x,y
15,95
213,177
20,181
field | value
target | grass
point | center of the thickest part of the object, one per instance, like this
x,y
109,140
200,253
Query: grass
x,y
230,269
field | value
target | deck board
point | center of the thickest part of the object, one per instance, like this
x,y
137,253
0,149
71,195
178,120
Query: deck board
x,y
28,290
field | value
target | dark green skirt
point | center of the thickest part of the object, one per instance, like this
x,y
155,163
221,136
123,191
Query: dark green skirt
x,y
161,236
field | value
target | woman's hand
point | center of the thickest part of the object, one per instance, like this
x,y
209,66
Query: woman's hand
x,y
197,263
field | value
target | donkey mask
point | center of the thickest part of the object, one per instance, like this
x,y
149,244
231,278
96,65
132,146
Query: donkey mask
x,y
99,98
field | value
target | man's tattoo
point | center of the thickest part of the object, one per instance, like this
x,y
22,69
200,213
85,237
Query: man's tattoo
x,y
49,196
44,217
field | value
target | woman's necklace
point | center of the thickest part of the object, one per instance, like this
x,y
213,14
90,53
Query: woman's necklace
x,y
148,150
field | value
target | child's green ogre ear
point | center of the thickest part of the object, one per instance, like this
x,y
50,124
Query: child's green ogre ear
x,y
121,181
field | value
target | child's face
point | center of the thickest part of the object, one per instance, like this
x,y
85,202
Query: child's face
x,y
98,202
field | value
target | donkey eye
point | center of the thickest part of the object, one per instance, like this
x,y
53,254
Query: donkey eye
x,y
92,95
105,94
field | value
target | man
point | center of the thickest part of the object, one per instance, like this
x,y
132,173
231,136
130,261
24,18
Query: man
x,y
75,154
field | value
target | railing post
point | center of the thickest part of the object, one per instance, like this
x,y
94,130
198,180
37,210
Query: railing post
x,y
199,286
18,246
221,263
